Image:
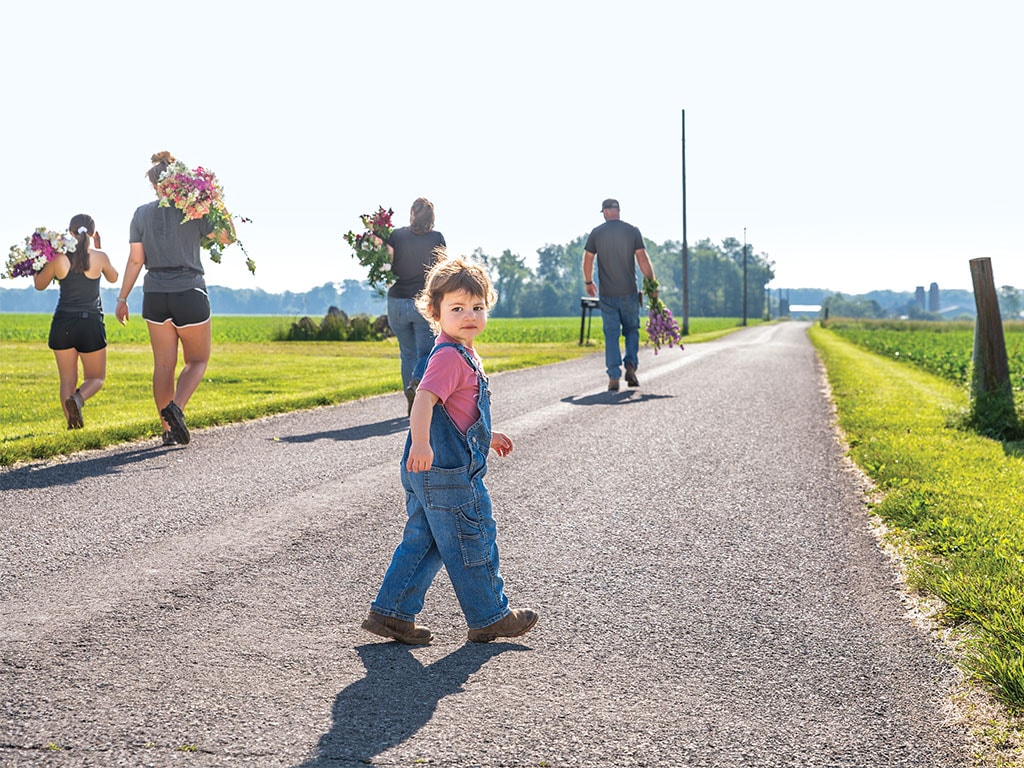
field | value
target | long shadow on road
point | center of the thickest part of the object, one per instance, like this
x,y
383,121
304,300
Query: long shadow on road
x,y
613,398
69,473
395,699
360,432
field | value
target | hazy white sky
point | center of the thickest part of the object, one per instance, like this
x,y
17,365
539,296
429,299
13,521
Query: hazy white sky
x,y
863,146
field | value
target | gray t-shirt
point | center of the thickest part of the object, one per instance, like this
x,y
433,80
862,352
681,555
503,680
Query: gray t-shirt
x,y
414,255
171,246
615,242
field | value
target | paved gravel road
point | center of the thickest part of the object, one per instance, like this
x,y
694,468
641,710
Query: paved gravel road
x,y
709,590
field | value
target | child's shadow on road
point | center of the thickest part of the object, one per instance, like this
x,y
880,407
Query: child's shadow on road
x,y
395,699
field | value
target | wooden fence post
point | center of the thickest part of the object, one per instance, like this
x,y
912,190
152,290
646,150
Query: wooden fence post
x,y
991,393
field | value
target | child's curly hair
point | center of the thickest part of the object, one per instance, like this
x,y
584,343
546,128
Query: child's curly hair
x,y
449,275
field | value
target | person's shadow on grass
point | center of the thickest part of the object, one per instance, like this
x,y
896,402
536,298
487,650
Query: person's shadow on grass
x,y
395,699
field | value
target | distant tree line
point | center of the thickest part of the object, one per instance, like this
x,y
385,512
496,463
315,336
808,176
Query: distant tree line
x,y
353,295
554,288
957,305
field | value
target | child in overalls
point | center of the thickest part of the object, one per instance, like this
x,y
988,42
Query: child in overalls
x,y
443,466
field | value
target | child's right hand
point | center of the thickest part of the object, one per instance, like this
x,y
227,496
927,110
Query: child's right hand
x,y
421,457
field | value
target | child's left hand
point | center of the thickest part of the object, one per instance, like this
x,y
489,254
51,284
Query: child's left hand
x,y
501,443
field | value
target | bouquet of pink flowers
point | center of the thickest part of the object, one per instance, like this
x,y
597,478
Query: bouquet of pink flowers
x,y
40,248
198,195
662,328
371,247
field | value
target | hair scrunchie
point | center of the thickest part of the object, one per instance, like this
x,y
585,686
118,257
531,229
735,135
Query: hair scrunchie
x,y
83,229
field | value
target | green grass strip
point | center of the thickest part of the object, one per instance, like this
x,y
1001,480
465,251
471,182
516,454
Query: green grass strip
x,y
954,497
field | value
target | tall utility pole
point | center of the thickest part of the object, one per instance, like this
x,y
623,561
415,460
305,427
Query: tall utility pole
x,y
686,250
744,275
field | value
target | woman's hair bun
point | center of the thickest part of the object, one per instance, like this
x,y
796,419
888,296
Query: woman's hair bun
x,y
162,157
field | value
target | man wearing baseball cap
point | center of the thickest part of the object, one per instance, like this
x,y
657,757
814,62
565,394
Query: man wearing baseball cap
x,y
619,249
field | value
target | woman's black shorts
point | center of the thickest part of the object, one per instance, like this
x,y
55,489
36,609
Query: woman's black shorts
x,y
82,331
190,307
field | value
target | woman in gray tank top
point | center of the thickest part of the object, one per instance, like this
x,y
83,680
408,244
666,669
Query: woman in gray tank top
x,y
77,332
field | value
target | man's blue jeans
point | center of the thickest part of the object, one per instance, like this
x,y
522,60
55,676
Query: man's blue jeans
x,y
415,338
620,316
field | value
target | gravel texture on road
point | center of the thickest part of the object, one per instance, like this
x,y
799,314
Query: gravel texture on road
x,y
710,592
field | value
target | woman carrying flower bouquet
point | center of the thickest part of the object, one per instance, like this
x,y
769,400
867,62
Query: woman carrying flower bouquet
x,y
175,304
413,252
77,331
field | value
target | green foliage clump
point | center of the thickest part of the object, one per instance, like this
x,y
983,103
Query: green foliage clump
x,y
338,326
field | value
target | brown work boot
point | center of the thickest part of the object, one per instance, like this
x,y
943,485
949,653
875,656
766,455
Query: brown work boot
x,y
407,632
518,622
613,385
631,378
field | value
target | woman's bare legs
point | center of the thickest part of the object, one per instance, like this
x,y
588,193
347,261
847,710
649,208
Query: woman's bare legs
x,y
67,369
94,370
196,341
163,339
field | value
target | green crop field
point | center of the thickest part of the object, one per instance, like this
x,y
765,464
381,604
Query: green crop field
x,y
251,374
940,348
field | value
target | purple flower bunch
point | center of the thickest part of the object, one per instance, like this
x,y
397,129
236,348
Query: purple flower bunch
x,y
40,248
662,328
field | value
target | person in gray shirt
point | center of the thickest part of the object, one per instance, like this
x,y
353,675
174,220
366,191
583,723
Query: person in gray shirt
x,y
619,249
175,304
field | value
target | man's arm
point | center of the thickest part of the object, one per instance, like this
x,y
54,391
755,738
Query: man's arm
x,y
644,262
588,273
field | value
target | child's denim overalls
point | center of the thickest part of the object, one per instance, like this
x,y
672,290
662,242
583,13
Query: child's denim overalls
x,y
450,522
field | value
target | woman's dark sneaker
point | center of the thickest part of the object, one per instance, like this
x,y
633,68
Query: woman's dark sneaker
x,y
168,438
74,406
175,419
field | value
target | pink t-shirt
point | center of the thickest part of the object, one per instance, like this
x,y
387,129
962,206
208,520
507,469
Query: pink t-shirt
x,y
449,376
